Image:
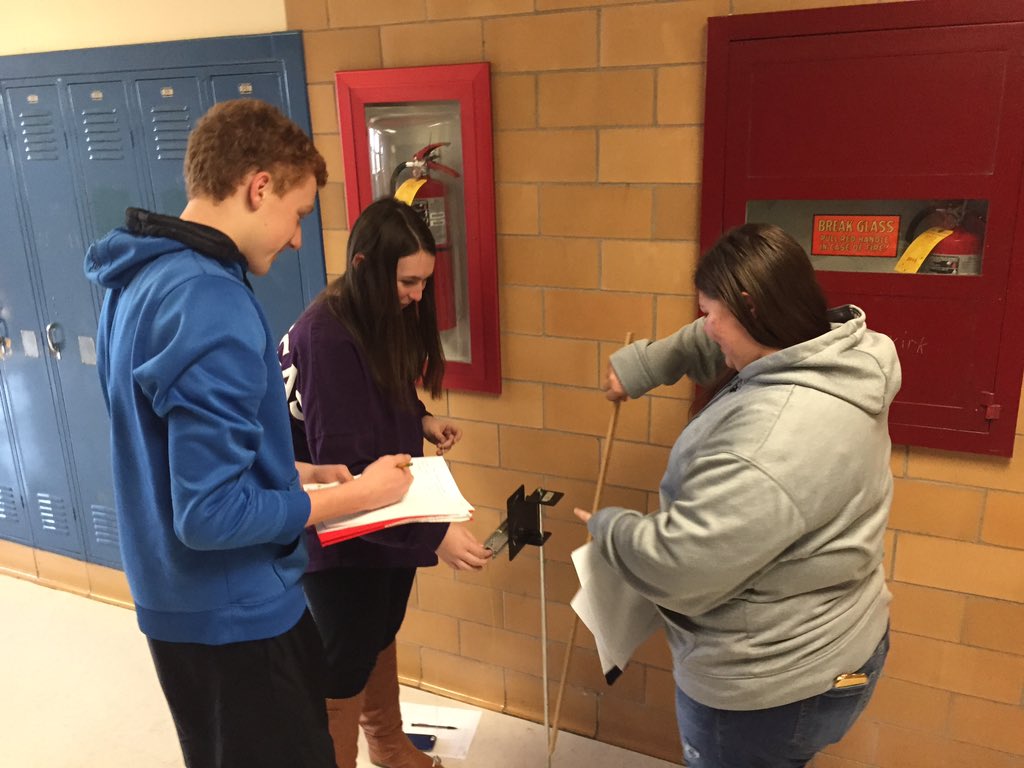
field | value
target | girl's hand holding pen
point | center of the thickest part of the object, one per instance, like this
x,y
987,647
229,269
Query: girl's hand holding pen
x,y
388,479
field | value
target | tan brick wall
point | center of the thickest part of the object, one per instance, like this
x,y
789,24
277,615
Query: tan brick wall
x,y
597,98
441,42
597,107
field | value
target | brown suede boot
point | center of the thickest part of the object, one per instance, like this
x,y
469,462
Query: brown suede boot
x,y
382,719
343,723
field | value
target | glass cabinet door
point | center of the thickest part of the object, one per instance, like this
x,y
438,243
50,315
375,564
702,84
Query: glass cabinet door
x,y
910,237
416,155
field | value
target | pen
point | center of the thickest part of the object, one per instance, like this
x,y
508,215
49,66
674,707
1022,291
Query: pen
x,y
428,725
403,466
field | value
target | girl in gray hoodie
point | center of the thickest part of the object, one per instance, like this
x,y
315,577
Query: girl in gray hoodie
x,y
765,558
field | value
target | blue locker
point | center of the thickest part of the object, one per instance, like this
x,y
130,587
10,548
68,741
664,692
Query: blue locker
x,y
98,127
100,130
169,107
30,376
14,287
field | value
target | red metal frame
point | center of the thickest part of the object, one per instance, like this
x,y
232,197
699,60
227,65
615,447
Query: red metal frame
x,y
469,85
992,304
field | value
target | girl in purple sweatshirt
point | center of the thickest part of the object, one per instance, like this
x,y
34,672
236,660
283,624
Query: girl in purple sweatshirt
x,y
350,365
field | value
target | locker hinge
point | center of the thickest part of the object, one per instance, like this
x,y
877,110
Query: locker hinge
x,y
993,410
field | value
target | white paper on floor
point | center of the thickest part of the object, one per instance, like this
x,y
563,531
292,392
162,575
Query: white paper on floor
x,y
452,741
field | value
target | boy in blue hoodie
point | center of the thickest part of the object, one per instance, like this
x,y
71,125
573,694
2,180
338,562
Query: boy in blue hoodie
x,y
209,499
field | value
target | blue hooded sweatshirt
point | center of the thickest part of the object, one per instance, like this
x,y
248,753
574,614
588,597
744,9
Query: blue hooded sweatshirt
x,y
208,500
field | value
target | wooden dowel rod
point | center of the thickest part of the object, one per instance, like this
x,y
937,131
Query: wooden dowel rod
x,y
602,471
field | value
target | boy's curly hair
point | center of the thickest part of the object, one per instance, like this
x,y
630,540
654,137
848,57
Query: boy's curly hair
x,y
237,137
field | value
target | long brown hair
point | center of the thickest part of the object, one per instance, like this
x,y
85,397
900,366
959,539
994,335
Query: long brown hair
x,y
767,281
401,343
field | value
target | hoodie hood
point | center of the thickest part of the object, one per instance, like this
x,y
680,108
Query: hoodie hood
x,y
113,261
849,362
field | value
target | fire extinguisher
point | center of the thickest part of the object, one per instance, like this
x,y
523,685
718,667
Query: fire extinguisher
x,y
427,196
953,237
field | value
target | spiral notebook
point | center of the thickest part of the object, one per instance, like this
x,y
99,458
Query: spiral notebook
x,y
433,497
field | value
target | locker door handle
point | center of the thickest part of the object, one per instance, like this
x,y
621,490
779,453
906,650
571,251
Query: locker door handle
x,y
54,344
5,339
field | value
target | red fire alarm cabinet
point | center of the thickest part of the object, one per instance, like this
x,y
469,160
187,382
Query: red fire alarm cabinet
x,y
889,140
423,135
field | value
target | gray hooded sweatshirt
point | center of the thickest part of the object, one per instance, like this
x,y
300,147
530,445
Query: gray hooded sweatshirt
x,y
766,555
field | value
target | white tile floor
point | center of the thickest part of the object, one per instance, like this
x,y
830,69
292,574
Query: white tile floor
x,y
77,690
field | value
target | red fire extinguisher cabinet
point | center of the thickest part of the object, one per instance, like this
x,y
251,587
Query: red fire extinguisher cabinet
x,y
854,128
401,122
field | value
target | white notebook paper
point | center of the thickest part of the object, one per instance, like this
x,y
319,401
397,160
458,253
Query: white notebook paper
x,y
433,497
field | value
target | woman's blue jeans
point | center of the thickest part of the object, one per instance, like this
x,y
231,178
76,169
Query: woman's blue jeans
x,y
780,737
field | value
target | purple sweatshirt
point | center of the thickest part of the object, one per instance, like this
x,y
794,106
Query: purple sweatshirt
x,y
340,416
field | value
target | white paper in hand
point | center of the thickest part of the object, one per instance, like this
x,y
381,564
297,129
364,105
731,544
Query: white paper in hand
x,y
618,616
433,497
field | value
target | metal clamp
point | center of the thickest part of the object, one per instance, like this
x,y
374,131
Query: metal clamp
x,y
523,524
